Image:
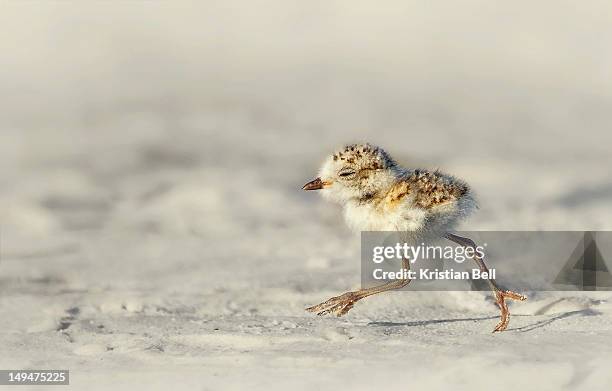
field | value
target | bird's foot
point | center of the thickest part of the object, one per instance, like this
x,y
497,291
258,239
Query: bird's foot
x,y
338,305
500,297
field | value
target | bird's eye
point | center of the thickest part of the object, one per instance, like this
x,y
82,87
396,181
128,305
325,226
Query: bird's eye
x,y
345,173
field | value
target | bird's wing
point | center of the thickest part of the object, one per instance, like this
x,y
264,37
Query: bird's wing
x,y
434,188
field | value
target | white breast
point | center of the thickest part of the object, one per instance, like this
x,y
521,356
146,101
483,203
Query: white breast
x,y
368,217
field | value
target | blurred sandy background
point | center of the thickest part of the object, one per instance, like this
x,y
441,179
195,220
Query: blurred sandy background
x,y
151,156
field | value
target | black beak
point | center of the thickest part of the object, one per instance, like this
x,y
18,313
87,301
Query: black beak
x,y
315,184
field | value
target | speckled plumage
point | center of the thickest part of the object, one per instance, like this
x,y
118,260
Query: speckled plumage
x,y
379,195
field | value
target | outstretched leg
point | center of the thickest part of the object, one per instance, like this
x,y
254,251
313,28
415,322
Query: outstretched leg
x,y
500,294
340,305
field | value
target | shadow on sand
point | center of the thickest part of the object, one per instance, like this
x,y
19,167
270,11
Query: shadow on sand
x,y
428,322
530,327
564,315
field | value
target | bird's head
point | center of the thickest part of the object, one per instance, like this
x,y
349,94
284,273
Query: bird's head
x,y
355,172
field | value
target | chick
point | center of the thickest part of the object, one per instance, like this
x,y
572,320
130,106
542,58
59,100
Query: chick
x,y
379,195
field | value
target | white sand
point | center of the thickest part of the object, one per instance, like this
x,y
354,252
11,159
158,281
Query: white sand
x,y
154,234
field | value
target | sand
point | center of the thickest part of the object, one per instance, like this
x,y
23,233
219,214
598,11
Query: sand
x,y
154,234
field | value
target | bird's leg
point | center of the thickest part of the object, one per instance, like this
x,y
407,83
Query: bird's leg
x,y
340,305
500,294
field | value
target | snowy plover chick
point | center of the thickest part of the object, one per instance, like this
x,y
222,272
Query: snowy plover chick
x,y
379,195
